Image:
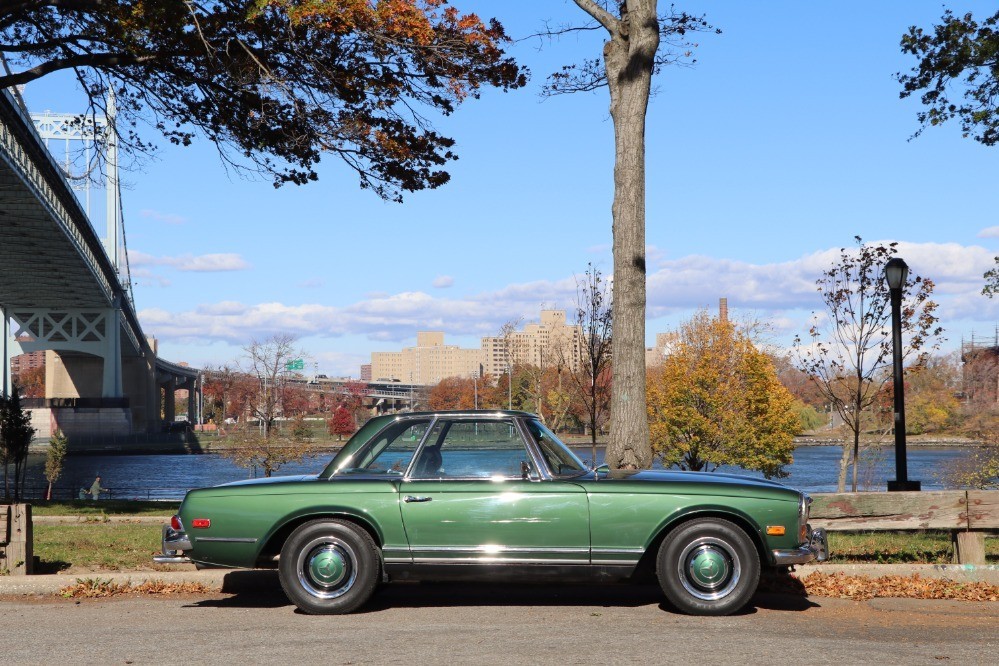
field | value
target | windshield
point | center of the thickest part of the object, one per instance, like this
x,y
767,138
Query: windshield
x,y
561,461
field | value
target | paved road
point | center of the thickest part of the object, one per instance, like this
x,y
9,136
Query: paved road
x,y
478,624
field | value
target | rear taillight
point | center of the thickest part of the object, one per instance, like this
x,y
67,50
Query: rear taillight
x,y
175,524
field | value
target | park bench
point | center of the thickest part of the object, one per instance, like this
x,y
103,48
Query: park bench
x,y
16,556
967,514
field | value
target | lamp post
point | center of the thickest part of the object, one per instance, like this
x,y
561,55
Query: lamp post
x,y
896,272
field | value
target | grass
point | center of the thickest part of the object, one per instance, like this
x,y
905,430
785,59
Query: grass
x,y
96,547
103,546
87,508
899,547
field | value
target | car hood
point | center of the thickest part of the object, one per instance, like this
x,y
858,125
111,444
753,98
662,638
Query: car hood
x,y
709,479
269,481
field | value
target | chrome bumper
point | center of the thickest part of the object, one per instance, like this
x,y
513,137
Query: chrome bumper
x,y
174,544
817,550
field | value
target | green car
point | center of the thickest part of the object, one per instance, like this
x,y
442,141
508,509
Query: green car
x,y
482,495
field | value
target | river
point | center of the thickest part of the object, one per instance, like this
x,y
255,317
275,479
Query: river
x,y
168,477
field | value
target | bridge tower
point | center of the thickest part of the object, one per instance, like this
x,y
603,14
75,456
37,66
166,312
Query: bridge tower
x,y
67,291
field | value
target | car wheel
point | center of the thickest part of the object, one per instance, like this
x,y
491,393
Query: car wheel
x,y
329,567
708,566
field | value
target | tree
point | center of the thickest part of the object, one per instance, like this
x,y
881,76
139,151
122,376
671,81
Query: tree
x,y
264,362
991,276
16,434
594,315
631,57
849,350
341,423
275,82
54,457
452,393
32,382
248,447
716,400
960,55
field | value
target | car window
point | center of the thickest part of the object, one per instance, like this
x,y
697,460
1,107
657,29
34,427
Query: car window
x,y
481,449
388,453
561,461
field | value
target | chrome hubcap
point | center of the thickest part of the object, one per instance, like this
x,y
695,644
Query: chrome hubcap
x,y
326,568
709,568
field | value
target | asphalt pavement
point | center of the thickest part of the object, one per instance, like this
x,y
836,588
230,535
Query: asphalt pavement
x,y
491,624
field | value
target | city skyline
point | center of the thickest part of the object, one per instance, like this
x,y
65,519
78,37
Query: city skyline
x,y
764,160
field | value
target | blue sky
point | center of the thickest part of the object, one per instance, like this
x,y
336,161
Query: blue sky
x,y
784,142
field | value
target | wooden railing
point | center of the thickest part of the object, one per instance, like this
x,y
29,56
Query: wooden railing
x,y
968,514
16,552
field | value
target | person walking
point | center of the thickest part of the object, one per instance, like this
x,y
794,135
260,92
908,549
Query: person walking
x,y
96,489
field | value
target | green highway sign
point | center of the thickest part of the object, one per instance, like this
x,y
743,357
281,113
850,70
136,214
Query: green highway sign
x,y
297,364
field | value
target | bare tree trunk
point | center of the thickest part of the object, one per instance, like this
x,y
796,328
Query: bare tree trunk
x,y
844,464
628,58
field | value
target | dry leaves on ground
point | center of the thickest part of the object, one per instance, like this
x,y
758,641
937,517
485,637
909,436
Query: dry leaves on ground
x,y
90,588
909,587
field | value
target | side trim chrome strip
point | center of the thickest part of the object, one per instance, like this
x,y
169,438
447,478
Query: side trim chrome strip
x,y
621,562
225,539
618,551
490,559
496,550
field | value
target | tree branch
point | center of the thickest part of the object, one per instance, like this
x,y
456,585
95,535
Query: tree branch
x,y
602,16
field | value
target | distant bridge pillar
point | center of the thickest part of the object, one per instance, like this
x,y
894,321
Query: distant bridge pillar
x,y
8,343
111,385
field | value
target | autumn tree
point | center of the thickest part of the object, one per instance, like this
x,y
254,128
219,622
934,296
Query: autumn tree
x,y
591,377
341,423
32,382
265,362
716,400
275,84
931,391
55,455
849,348
640,42
452,393
268,451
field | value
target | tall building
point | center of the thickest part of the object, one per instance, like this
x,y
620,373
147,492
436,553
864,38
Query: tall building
x,y
546,344
428,362
366,372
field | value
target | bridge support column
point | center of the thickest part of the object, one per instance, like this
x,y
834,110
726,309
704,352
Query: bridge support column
x,y
169,401
111,385
5,386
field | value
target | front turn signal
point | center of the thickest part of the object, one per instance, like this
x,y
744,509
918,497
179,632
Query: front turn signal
x,y
775,530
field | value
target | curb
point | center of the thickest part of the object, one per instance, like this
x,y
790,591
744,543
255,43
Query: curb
x,y
961,573
52,584
241,580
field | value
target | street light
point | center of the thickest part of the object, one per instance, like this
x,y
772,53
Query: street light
x,y
896,272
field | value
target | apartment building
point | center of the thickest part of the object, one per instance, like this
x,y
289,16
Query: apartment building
x,y
545,344
428,362
549,343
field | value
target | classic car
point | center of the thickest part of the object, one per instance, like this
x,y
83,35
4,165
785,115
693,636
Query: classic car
x,y
481,495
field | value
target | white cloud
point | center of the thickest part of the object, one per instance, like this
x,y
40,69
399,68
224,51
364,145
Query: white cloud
x,y
168,218
443,282
210,263
989,232
782,293
202,263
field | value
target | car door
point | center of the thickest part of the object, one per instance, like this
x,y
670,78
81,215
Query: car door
x,y
475,494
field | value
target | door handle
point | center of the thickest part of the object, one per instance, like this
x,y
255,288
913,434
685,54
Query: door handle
x,y
410,498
